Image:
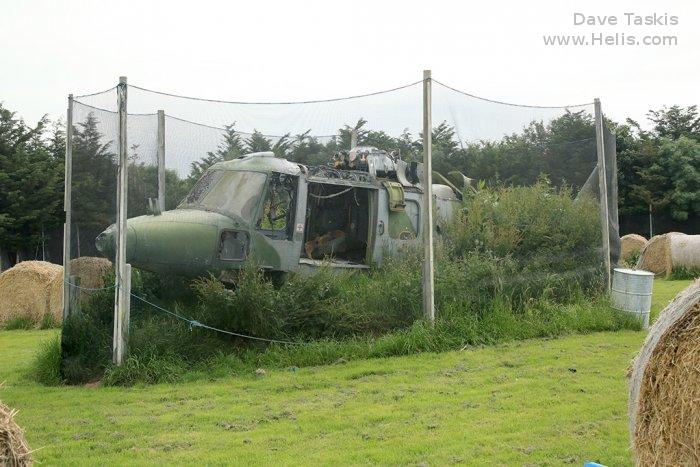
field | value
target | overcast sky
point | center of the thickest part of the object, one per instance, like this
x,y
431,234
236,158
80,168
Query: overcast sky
x,y
270,51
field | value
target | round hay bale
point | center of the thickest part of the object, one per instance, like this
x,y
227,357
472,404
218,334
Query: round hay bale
x,y
630,247
664,403
91,271
665,253
14,450
30,290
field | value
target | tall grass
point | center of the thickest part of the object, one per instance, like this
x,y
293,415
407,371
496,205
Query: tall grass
x,y
515,263
683,273
47,364
26,322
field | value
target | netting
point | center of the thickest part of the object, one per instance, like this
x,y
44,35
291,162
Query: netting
x,y
514,183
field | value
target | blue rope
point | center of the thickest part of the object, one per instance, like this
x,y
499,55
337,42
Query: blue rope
x,y
193,323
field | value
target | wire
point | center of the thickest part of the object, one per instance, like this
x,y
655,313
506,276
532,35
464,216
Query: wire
x,y
89,288
277,103
112,111
192,122
331,196
237,131
96,93
511,104
195,323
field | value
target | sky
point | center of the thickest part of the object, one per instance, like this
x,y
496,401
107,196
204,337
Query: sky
x,y
285,51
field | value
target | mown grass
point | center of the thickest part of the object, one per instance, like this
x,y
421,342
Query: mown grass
x,y
541,401
544,401
663,293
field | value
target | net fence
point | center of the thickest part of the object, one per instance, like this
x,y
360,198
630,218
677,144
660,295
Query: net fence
x,y
516,182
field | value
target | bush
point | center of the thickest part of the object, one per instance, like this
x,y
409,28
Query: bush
x,y
541,241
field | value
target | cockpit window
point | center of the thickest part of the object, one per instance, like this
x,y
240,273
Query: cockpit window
x,y
278,208
230,192
202,186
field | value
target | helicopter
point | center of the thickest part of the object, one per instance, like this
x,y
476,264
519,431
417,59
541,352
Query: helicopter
x,y
348,214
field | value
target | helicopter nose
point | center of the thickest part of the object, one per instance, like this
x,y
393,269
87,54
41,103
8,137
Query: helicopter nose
x,y
106,242
179,241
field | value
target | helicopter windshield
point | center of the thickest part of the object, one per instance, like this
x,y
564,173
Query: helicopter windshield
x,y
229,192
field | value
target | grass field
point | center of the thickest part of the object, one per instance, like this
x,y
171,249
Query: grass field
x,y
540,402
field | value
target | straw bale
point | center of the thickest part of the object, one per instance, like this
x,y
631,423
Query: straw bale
x,y
92,272
14,451
31,289
665,253
630,246
664,403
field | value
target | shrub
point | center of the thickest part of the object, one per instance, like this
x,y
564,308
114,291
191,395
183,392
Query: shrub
x,y
546,243
253,306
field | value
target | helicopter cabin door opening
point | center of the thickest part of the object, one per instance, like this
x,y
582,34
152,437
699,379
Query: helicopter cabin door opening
x,y
337,224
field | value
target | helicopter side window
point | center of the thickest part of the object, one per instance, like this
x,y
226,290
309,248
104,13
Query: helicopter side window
x,y
277,217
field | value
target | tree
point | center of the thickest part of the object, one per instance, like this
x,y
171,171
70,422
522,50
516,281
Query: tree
x,y
307,150
230,148
674,122
672,179
94,185
257,142
32,187
658,171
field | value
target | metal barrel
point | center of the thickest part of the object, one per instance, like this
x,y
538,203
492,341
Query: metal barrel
x,y
631,292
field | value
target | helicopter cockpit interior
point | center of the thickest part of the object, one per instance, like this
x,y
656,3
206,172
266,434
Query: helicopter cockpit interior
x,y
337,223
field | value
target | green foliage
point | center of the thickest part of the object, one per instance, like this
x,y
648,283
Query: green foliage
x,y
46,368
659,170
31,178
683,273
253,306
94,183
143,184
632,258
539,319
526,242
675,122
